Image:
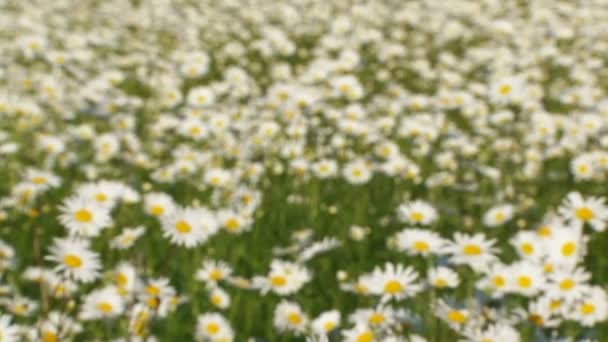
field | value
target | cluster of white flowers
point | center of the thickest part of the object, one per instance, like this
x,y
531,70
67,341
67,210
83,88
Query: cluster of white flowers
x,y
161,162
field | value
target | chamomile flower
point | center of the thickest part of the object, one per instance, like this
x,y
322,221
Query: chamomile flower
x,y
213,326
566,246
158,204
454,317
125,278
284,278
419,241
443,277
234,222
219,298
593,308
357,172
567,284
394,282
326,322
495,280
127,238
473,250
102,304
580,211
189,227
376,318
84,217
528,245
526,278
418,212
498,215
288,316
75,260
213,271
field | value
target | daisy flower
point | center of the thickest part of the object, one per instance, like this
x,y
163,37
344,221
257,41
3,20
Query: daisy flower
x,y
473,250
526,278
158,204
101,304
592,309
376,318
357,172
581,211
443,277
75,260
288,316
213,271
418,212
498,215
394,282
84,217
454,317
326,322
127,238
359,333
213,327
419,242
567,284
284,278
189,227
528,245
219,298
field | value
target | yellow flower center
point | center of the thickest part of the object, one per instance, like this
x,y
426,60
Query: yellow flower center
x,y
555,304
457,317
215,274
294,318
566,284
216,300
504,89
157,210
49,336
536,319
153,290
329,326
471,249
376,318
39,180
153,302
587,309
366,336
232,224
183,227
416,216
527,248
83,216
392,287
568,249
584,214
524,281
101,197
440,283
213,328
278,281
421,246
104,307
499,216
72,261
194,130
121,279
498,281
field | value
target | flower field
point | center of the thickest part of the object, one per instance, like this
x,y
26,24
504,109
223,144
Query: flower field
x,y
303,170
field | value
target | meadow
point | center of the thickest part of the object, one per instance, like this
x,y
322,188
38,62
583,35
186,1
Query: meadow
x,y
310,170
